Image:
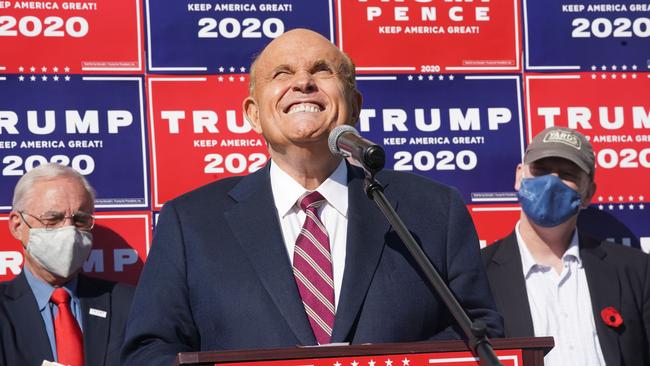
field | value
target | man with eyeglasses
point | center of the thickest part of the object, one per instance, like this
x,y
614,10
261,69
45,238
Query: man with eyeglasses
x,y
50,311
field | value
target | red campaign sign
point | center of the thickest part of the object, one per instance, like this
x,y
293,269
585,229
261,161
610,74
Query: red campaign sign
x,y
121,243
199,133
613,111
120,247
52,37
11,252
507,358
426,37
494,222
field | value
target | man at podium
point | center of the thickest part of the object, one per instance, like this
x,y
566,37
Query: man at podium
x,y
549,279
296,254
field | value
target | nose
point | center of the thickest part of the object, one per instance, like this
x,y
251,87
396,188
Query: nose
x,y
304,82
67,221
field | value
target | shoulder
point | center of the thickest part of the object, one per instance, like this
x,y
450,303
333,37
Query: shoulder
x,y
91,286
490,251
616,253
420,189
212,191
14,288
408,179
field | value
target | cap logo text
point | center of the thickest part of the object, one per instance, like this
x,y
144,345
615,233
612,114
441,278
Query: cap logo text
x,y
563,137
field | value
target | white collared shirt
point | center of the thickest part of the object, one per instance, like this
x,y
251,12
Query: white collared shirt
x,y
560,306
333,214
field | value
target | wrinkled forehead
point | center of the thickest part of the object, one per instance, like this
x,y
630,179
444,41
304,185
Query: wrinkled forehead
x,y
298,50
57,194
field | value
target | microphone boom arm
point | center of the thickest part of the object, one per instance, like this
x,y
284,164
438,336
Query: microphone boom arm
x,y
475,331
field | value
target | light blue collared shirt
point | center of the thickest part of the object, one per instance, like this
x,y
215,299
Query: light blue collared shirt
x,y
43,291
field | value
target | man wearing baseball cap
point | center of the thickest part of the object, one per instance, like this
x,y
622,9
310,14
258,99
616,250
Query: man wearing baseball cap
x,y
549,279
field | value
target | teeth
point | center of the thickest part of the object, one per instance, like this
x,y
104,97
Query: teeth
x,y
304,107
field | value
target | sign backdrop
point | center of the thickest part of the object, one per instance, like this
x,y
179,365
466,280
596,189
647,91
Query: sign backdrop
x,y
144,98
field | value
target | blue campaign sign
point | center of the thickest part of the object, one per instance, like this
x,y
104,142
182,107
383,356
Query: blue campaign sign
x,y
94,124
587,35
462,130
224,36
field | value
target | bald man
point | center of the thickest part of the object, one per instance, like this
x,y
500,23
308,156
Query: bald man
x,y
296,254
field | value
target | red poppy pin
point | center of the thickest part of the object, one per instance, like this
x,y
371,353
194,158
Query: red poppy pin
x,y
611,317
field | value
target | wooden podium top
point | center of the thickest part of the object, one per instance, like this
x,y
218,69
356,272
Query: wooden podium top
x,y
511,351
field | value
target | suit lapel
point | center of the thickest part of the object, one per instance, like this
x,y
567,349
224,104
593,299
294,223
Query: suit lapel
x,y
254,222
367,228
23,311
604,290
96,328
509,287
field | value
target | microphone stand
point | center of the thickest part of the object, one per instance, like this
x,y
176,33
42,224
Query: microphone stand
x,y
475,331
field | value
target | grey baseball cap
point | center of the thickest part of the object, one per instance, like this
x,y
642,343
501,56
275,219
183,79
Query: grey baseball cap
x,y
562,142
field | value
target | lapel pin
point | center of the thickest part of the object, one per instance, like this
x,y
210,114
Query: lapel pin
x,y
611,317
97,312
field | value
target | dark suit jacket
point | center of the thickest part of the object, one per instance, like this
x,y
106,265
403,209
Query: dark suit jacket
x,y
218,275
616,275
24,341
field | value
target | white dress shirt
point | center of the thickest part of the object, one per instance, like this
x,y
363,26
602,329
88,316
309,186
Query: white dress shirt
x,y
560,306
333,214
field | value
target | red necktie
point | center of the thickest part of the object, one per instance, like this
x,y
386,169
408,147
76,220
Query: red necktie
x,y
312,268
69,341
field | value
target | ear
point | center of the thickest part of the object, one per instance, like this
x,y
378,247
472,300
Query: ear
x,y
589,195
251,109
357,102
519,174
16,225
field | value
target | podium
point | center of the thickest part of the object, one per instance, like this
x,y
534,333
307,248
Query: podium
x,y
510,351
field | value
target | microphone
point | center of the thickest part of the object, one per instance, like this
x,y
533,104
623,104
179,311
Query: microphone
x,y
345,141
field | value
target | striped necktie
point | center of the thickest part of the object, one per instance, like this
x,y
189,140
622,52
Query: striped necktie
x,y
312,268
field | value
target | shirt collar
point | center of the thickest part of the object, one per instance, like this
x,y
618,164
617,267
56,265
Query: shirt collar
x,y
528,262
43,291
573,252
286,190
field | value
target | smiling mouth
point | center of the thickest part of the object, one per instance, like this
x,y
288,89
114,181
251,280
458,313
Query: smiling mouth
x,y
304,107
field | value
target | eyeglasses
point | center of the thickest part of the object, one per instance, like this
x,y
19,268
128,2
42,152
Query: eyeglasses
x,y
52,219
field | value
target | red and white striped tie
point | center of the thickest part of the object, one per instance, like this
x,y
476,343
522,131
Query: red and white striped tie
x,y
312,268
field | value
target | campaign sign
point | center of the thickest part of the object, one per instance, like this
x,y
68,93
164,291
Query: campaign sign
x,y
120,246
625,223
494,222
430,36
613,111
587,35
75,37
11,252
512,357
462,130
225,35
91,123
199,133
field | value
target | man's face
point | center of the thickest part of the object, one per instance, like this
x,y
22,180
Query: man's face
x,y
49,198
299,96
570,174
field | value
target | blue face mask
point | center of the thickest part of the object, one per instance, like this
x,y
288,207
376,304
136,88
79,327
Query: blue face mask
x,y
547,201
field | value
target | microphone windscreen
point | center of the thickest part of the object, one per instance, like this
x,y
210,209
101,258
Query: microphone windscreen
x,y
332,140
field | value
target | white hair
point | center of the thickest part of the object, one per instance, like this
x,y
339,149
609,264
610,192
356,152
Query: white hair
x,y
46,172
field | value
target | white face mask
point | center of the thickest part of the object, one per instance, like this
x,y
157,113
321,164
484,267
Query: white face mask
x,y
60,251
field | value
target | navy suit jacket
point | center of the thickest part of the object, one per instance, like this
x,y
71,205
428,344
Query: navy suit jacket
x,y
24,341
616,275
218,275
